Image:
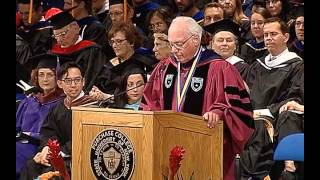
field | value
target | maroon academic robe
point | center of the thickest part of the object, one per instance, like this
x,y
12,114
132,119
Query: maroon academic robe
x,y
223,92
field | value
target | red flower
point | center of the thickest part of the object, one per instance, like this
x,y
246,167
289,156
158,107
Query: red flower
x,y
56,159
176,155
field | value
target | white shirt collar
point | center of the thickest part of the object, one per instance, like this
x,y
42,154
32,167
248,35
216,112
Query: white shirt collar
x,y
234,59
280,59
80,96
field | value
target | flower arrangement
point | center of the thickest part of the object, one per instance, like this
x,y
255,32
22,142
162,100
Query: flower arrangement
x,y
56,160
175,158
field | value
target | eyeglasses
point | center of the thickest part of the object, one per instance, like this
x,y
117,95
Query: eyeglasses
x,y
69,81
115,13
180,45
156,25
299,23
62,34
116,42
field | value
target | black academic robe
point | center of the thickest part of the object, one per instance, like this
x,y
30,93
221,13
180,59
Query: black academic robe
x,y
110,75
88,55
93,30
38,36
23,67
252,50
269,86
23,50
105,19
245,31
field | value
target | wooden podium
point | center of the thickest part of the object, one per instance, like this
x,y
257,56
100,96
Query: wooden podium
x,y
153,135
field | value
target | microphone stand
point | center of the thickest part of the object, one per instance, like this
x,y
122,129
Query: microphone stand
x,y
118,94
123,92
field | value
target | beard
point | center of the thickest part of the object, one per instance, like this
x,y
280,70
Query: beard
x,y
187,7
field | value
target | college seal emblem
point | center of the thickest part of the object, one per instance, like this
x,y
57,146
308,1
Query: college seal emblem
x,y
168,80
112,155
196,84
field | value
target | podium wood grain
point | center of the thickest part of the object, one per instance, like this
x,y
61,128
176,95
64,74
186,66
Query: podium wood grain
x,y
153,135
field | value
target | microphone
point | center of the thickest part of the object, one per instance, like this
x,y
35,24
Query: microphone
x,y
109,100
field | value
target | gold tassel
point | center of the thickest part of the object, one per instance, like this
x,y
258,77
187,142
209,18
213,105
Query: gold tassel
x,y
30,12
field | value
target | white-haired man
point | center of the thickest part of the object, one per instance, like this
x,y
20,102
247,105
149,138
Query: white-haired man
x,y
198,81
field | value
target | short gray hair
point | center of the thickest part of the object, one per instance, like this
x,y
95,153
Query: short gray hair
x,y
193,26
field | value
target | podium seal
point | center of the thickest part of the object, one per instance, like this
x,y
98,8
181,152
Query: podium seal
x,y
112,155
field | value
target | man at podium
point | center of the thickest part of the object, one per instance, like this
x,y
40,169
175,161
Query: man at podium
x,y
198,81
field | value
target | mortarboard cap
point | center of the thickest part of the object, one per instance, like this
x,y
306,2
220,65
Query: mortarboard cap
x,y
61,19
47,61
113,2
224,25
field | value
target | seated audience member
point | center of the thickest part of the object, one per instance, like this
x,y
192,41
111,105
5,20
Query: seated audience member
x,y
213,12
34,29
133,82
255,47
86,53
57,124
141,10
90,28
33,110
297,45
272,79
101,9
278,8
129,93
124,39
224,42
117,14
189,8
162,48
233,10
158,21
290,121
